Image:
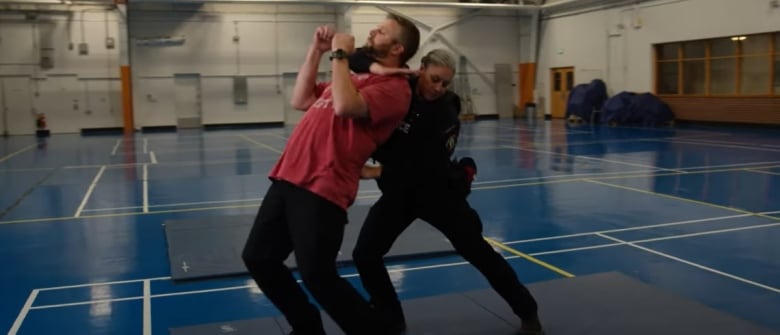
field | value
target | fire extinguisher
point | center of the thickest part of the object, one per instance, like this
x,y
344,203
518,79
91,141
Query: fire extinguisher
x,y
40,122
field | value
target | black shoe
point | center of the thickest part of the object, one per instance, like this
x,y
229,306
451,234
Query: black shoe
x,y
531,327
391,317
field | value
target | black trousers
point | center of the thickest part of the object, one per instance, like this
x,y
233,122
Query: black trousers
x,y
292,218
451,214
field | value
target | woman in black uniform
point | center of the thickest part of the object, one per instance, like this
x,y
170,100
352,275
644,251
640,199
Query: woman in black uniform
x,y
419,179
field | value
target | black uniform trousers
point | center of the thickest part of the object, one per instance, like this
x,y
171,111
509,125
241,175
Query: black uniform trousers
x,y
291,218
449,212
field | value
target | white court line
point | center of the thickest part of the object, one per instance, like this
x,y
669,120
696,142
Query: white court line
x,y
116,147
89,191
409,269
146,146
231,288
594,174
31,146
146,188
724,145
677,223
82,303
593,158
696,265
180,204
147,308
735,143
665,238
507,243
763,172
23,313
153,157
756,165
118,282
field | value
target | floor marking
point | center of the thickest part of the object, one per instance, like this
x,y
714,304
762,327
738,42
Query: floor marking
x,y
737,143
29,147
146,146
90,302
593,158
146,188
89,191
23,313
764,172
391,268
116,147
676,223
118,282
595,174
723,146
545,265
260,144
683,199
665,238
27,192
254,200
147,308
153,157
696,265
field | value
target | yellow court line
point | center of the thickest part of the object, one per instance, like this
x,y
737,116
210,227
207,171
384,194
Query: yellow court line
x,y
260,144
532,259
764,172
31,146
683,199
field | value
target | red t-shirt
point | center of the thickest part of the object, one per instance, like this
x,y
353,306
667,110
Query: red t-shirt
x,y
325,152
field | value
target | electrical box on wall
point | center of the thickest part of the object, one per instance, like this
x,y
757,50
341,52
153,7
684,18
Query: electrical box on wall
x,y
46,62
110,43
83,49
240,88
47,58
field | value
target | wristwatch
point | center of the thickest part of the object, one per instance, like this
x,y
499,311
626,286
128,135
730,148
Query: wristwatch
x,y
338,54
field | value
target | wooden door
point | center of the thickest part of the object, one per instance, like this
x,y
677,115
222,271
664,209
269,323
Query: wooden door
x,y
561,83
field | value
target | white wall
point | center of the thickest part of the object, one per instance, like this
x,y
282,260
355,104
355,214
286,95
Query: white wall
x,y
83,91
584,41
80,91
273,40
485,39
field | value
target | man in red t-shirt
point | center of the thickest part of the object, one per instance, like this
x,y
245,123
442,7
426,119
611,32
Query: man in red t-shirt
x,y
316,178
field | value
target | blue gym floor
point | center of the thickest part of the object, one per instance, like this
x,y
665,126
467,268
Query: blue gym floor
x,y
692,209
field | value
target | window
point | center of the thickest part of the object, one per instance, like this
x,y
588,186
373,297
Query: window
x,y
755,75
730,65
723,77
694,77
723,47
668,51
667,81
777,74
695,49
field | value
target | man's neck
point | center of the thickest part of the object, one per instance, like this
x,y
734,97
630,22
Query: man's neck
x,y
389,62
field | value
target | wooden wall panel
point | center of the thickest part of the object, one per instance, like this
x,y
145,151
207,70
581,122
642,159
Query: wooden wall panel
x,y
759,110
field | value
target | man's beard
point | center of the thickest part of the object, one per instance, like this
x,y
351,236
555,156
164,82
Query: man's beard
x,y
376,52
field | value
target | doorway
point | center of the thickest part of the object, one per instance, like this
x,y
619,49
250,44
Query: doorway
x,y
562,82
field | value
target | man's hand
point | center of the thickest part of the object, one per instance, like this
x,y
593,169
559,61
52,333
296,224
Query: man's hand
x,y
323,37
371,172
344,42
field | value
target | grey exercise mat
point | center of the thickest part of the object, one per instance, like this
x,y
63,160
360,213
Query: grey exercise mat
x,y
607,303
212,246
